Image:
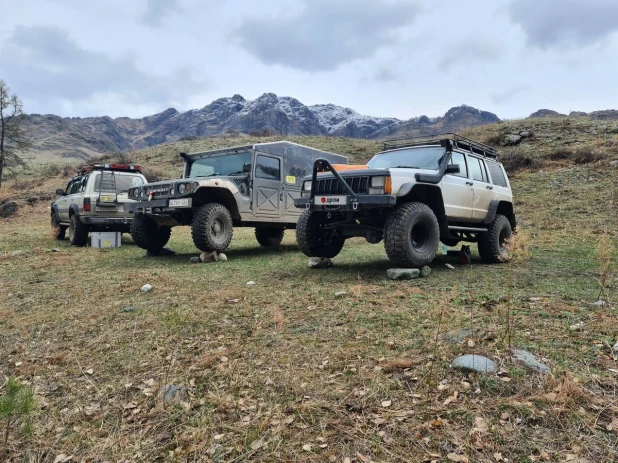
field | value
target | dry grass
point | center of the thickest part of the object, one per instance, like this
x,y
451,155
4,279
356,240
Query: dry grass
x,y
284,371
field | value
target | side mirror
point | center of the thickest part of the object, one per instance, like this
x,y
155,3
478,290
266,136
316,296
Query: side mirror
x,y
60,192
452,169
246,168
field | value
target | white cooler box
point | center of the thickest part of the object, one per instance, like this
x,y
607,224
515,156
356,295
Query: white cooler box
x,y
105,239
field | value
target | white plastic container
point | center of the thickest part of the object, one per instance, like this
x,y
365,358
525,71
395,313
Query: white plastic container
x,y
105,239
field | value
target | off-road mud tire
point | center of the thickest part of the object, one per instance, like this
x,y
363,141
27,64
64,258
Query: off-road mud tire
x,y
493,243
402,246
212,228
78,232
269,237
313,241
148,234
58,231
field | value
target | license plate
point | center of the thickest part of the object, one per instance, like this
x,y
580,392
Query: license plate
x,y
180,202
105,209
107,198
331,200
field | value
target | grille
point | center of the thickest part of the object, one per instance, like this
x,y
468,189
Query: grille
x,y
161,190
332,186
240,181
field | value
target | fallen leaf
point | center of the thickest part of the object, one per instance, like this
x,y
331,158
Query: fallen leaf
x,y
347,460
387,403
545,456
218,436
90,371
307,447
457,458
362,457
498,456
257,444
471,343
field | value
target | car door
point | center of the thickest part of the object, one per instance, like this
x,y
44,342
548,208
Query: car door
x,y
63,203
267,186
457,190
483,193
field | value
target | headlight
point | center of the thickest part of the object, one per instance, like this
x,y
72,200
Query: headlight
x,y
182,188
141,194
147,192
378,181
307,185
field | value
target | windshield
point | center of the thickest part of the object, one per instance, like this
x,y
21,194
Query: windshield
x,y
418,158
228,164
123,181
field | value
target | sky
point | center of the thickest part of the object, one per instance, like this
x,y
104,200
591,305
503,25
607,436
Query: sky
x,y
389,58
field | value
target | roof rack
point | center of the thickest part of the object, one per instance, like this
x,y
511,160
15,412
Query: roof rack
x,y
451,139
120,167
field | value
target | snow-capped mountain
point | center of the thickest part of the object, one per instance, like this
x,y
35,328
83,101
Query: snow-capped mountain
x,y
268,114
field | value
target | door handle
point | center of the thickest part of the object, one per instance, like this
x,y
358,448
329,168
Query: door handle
x,y
281,197
489,187
469,183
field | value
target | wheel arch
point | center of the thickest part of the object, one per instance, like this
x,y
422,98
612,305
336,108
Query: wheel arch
x,y
427,194
206,195
504,208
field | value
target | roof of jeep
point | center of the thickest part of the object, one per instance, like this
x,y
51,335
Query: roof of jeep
x,y
281,148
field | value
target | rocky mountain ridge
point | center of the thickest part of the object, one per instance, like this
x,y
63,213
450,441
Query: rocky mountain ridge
x,y
82,138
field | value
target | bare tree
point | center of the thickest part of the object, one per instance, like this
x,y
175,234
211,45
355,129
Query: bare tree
x,y
13,137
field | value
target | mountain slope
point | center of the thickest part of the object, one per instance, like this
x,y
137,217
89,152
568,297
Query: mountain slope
x,y
83,138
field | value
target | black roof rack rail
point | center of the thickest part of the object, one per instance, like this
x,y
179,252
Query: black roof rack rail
x,y
443,139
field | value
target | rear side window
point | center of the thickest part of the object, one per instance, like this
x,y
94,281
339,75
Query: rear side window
x,y
77,183
458,158
268,168
477,167
497,176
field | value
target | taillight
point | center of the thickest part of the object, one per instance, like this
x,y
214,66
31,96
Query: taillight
x,y
86,204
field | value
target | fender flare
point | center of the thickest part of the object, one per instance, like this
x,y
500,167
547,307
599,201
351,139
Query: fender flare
x,y
491,211
74,210
405,189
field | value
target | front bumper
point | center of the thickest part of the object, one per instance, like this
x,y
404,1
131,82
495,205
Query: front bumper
x,y
350,204
160,205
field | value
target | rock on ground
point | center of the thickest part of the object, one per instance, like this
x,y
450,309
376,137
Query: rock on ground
x,y
476,363
7,208
320,262
614,163
128,309
208,256
530,361
194,260
403,273
174,394
221,257
615,348
146,288
250,283
425,271
510,139
340,294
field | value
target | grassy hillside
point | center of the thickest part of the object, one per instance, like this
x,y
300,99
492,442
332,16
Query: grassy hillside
x,y
285,370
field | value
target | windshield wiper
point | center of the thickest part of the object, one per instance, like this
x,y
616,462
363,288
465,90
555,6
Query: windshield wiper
x,y
210,175
238,172
405,167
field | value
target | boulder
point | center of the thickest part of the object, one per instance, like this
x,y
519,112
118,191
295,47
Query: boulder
x,y
221,257
425,271
510,139
475,363
403,273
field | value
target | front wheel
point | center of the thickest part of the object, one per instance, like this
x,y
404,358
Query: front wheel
x,y
149,235
269,237
212,228
78,232
493,244
411,235
58,231
313,240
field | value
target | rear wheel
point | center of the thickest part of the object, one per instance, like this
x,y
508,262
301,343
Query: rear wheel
x,y
313,240
269,237
493,244
148,234
411,235
212,228
78,232
58,231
